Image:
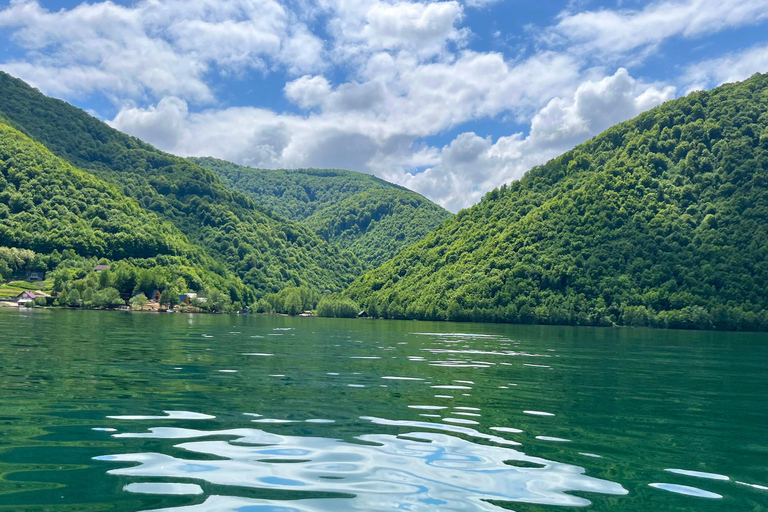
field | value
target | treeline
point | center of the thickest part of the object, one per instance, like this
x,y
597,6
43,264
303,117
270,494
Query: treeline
x,y
659,221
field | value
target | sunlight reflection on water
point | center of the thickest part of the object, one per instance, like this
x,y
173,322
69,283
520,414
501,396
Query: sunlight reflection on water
x,y
416,471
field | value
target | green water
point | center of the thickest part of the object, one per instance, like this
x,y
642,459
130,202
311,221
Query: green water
x,y
296,415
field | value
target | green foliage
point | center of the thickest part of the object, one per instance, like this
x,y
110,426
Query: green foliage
x,y
52,206
294,194
290,301
138,301
213,301
658,221
377,224
368,216
266,252
337,307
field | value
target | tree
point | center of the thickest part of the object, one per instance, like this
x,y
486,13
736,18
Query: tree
x,y
293,303
107,298
138,301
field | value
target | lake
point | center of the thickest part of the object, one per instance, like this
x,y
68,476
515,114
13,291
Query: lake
x,y
135,412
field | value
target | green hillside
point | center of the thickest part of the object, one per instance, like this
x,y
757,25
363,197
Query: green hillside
x,y
377,224
293,193
661,220
267,252
58,219
370,217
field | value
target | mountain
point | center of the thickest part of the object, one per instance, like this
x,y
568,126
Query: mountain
x,y
376,224
73,220
372,218
661,220
267,252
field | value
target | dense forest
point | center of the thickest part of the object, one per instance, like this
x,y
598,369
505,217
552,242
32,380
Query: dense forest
x,y
659,221
266,252
377,224
370,217
57,219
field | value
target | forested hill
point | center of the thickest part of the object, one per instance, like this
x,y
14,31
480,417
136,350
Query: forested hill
x,y
293,193
73,220
376,224
661,221
267,252
371,217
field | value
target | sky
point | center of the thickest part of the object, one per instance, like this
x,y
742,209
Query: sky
x,y
448,98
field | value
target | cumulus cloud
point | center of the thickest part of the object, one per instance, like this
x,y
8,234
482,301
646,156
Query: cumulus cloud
x,y
732,67
455,176
154,48
422,29
610,32
471,165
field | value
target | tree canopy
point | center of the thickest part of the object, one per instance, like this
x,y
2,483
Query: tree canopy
x,y
267,252
660,220
370,217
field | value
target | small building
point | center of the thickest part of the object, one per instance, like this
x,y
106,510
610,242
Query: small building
x,y
362,314
25,297
34,275
101,268
187,298
155,295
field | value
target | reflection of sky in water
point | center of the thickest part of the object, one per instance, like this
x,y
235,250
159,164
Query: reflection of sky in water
x,y
419,471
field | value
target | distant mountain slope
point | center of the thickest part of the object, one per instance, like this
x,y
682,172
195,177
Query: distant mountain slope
x,y
267,252
293,193
371,217
377,224
661,220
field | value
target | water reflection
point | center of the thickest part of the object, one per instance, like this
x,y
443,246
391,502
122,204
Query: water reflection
x,y
416,471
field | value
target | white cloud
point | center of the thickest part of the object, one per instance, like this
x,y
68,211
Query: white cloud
x,y
456,176
732,67
609,32
308,91
154,48
470,165
390,74
164,124
422,29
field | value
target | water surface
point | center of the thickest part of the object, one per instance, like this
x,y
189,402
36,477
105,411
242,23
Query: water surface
x,y
137,412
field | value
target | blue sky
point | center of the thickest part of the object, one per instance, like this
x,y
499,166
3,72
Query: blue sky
x,y
450,98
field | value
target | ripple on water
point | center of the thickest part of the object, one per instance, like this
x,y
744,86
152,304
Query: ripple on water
x,y
169,415
163,488
507,429
686,490
417,471
698,474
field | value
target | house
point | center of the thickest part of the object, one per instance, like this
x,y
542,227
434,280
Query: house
x,y
362,314
155,295
187,298
101,268
26,297
34,275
